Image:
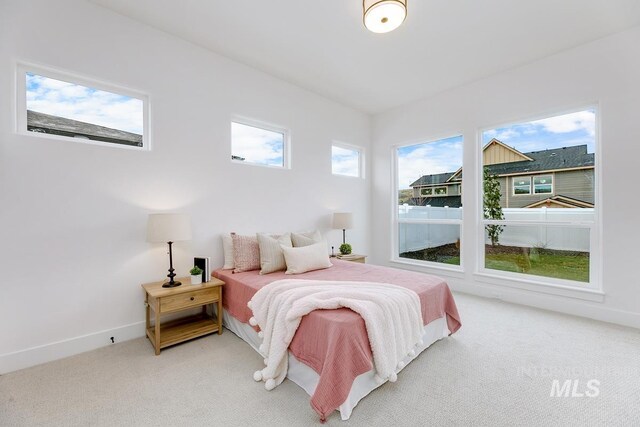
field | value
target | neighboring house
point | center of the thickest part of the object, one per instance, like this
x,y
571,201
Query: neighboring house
x,y
55,125
555,178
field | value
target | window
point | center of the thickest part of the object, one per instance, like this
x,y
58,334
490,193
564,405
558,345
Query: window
x,y
543,184
258,144
346,160
545,229
522,185
427,228
59,106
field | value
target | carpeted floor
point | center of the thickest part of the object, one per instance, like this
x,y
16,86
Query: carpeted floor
x,y
497,370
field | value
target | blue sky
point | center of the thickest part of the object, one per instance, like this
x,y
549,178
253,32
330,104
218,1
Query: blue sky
x,y
445,155
560,131
257,145
85,104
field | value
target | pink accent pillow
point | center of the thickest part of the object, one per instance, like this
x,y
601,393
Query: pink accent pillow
x,y
246,253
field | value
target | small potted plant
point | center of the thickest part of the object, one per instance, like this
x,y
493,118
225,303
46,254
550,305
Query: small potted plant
x,y
196,275
345,249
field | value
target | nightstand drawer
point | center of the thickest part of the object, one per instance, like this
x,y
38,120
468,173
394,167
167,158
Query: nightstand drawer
x,y
188,299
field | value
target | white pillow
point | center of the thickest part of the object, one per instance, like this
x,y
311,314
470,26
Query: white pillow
x,y
271,256
227,249
305,239
307,258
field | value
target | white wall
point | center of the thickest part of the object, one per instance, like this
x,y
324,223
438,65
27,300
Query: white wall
x,y
73,216
604,72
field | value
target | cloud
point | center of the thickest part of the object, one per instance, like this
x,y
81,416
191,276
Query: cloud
x,y
428,159
560,131
582,120
257,145
345,161
76,102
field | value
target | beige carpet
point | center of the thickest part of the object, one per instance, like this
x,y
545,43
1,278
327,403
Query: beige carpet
x,y
497,370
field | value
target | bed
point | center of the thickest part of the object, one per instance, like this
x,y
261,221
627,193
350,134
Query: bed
x,y
330,356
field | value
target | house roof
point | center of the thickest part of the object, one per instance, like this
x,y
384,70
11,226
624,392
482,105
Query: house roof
x,y
41,122
561,200
440,178
546,160
439,202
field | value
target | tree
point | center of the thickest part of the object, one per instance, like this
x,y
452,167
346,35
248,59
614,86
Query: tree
x,y
492,208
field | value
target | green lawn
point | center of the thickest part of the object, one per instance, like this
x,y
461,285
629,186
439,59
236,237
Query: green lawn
x,y
548,263
566,265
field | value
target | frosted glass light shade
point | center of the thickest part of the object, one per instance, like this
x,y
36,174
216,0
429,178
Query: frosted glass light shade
x,y
382,16
342,220
168,228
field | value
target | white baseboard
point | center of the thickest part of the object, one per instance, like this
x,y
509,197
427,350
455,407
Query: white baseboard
x,y
574,307
57,350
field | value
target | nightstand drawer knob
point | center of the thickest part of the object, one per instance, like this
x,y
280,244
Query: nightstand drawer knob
x,y
192,298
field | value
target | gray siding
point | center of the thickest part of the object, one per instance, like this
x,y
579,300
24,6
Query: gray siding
x,y
577,184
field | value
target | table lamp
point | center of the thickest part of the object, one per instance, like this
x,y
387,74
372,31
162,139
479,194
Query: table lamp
x,y
343,221
169,228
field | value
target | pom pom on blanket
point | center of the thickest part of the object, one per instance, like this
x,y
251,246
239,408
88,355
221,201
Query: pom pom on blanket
x,y
270,384
257,375
393,377
400,365
253,321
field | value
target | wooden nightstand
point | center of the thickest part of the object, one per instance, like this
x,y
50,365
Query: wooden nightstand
x,y
184,297
353,258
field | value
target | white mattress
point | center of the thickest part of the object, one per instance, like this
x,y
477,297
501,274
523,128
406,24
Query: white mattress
x,y
307,378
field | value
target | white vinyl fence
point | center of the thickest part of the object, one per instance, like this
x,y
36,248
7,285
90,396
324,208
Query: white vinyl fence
x,y
413,237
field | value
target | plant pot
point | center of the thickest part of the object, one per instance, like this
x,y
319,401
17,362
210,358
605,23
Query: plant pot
x,y
196,279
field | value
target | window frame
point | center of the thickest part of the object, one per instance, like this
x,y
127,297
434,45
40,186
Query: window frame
x,y
594,289
435,191
449,269
21,68
513,186
259,124
351,147
533,183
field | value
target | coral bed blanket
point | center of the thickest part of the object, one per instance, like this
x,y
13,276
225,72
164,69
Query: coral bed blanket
x,y
334,343
392,315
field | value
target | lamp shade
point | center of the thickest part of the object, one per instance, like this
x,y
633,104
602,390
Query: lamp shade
x,y
382,16
342,220
168,227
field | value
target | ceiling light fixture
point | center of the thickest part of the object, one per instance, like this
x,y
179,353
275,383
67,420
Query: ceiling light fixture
x,y
382,16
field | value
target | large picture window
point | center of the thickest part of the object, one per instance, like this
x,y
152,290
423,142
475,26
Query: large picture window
x,y
60,106
428,206
544,227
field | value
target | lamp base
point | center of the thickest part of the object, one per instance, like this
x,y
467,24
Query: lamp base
x,y
171,284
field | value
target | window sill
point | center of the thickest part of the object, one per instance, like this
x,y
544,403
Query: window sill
x,y
450,271
534,286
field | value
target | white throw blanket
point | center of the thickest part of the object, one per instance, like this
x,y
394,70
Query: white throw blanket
x,y
391,313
